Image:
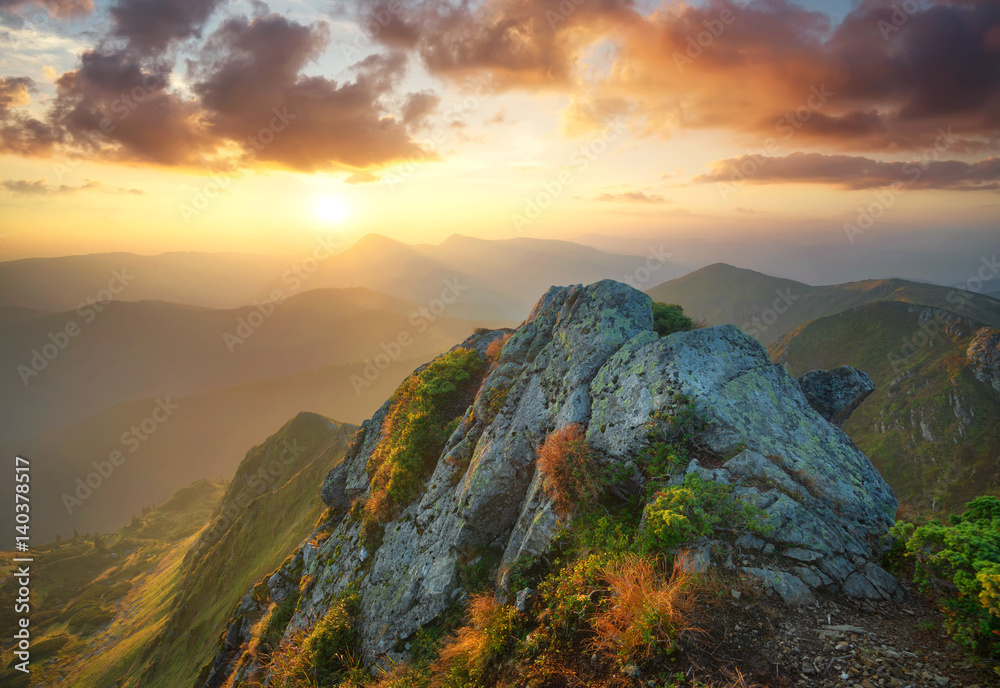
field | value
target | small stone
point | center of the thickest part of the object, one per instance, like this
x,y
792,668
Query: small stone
x,y
523,599
737,594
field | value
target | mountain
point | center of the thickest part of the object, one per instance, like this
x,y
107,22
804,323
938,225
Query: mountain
x,y
145,606
768,307
528,507
213,280
58,368
503,276
204,436
462,486
496,278
932,425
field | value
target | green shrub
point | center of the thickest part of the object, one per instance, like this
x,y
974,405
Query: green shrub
x,y
962,562
332,648
278,619
669,318
671,434
424,412
696,509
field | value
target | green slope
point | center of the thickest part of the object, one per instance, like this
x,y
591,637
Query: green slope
x,y
768,307
250,535
930,427
106,601
160,590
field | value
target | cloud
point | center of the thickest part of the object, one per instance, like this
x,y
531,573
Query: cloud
x,y
361,178
251,102
113,107
41,187
856,172
62,9
419,106
150,26
14,91
894,76
631,197
249,79
520,42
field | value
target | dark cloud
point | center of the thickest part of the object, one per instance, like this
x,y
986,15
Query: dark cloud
x,y
150,26
251,95
419,106
14,91
250,84
856,172
21,133
632,197
896,70
114,107
520,41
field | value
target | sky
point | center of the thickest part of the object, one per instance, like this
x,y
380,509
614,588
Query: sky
x,y
825,139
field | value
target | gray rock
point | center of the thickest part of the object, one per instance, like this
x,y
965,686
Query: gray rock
x,y
792,590
836,393
523,599
984,356
857,585
694,560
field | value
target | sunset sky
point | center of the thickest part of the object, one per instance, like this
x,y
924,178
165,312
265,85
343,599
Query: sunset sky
x,y
710,122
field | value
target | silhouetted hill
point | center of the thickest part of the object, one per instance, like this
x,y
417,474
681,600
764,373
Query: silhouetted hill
x,y
767,307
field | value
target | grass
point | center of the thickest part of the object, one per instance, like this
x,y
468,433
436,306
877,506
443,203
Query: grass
x,y
646,611
424,412
569,469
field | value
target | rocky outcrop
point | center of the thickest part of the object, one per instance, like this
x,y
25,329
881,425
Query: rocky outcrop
x,y
836,393
588,355
984,356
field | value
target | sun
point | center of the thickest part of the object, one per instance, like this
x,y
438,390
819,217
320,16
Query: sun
x,y
331,209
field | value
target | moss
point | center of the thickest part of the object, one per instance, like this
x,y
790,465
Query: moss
x,y
424,412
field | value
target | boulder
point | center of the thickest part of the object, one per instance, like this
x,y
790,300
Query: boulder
x,y
836,393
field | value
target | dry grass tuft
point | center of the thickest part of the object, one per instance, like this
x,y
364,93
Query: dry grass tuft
x,y
646,611
569,469
476,644
494,349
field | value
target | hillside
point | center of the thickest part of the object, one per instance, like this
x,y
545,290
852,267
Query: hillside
x,y
130,351
583,498
107,598
931,427
767,307
166,583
